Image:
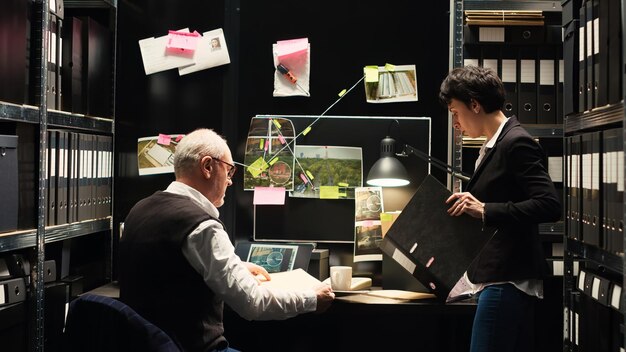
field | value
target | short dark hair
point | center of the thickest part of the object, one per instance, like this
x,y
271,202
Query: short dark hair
x,y
471,82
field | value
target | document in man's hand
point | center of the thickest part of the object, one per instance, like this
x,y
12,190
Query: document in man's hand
x,y
293,279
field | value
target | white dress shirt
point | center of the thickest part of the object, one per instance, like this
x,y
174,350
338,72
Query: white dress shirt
x,y
211,253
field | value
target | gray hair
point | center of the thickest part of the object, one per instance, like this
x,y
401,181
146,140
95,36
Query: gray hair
x,y
195,146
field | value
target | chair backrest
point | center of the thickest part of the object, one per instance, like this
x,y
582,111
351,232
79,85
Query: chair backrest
x,y
99,323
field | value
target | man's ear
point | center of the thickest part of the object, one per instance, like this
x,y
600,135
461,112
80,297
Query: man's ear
x,y
206,166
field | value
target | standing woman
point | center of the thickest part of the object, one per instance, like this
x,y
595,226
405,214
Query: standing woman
x,y
510,191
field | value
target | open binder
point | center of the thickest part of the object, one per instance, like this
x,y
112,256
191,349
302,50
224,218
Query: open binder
x,y
434,247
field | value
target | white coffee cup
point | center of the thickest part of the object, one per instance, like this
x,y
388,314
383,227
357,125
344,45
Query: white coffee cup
x,y
341,278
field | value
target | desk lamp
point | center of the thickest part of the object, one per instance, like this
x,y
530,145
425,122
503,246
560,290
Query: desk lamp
x,y
388,171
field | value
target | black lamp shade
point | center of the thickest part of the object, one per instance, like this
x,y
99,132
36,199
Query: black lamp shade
x,y
388,171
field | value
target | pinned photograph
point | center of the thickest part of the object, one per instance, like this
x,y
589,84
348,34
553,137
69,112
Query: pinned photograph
x,y
155,155
390,83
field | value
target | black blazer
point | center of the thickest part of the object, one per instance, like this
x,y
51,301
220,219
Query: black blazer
x,y
518,195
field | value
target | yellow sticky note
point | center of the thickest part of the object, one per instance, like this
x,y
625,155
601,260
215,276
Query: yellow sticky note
x,y
261,141
276,123
390,67
329,192
258,166
371,74
310,175
275,159
343,91
342,194
306,130
385,217
342,184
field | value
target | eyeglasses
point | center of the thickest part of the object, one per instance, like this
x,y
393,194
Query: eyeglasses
x,y
231,170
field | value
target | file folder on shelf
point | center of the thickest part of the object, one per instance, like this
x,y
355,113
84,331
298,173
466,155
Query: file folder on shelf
x,y
527,95
546,92
571,69
574,191
589,50
590,181
12,291
434,247
509,80
600,52
582,61
52,178
615,52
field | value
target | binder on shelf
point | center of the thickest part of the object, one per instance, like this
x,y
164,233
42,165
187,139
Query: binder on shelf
x,y
527,95
52,178
574,194
591,188
51,89
509,80
525,35
546,92
600,52
9,180
559,88
12,291
62,179
97,82
72,201
72,66
615,52
490,57
471,55
571,70
589,49
582,60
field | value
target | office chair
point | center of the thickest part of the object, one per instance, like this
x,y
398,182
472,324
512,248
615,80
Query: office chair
x,y
99,323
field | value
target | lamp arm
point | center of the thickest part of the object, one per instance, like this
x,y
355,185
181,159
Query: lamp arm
x,y
435,162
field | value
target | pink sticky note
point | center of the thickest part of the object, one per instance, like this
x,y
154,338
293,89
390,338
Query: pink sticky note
x,y
291,48
304,179
281,139
182,41
179,137
269,196
164,139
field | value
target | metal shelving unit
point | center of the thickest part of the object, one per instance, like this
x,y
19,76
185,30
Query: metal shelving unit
x,y
39,117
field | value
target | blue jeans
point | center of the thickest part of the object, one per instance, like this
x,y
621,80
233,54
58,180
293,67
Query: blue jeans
x,y
504,320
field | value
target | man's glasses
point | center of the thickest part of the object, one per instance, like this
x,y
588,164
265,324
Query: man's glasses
x,y
232,168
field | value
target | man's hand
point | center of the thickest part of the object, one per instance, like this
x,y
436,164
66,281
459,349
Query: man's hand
x,y
256,270
325,297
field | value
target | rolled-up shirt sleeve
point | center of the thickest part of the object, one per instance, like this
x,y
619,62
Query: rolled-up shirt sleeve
x,y
210,252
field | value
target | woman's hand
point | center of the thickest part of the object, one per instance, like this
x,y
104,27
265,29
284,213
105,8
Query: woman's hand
x,y
465,202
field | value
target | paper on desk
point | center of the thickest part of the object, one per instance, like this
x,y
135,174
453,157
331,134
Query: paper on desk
x,y
293,279
155,57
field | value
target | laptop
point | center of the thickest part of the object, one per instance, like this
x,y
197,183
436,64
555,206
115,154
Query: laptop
x,y
276,257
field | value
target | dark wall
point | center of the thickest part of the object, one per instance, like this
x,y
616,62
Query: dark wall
x,y
344,36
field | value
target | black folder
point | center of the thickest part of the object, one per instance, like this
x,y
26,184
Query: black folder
x,y
574,186
98,81
591,166
490,58
72,65
582,60
12,291
72,201
613,235
62,180
559,87
52,178
600,57
615,52
527,96
51,89
434,247
591,102
509,69
546,92
571,71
